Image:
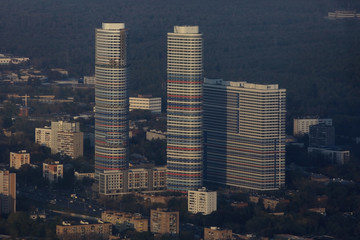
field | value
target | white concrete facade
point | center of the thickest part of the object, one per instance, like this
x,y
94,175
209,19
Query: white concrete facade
x,y
152,104
117,182
43,136
202,201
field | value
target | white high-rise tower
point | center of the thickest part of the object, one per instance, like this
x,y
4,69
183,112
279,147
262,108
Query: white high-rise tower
x,y
184,109
111,98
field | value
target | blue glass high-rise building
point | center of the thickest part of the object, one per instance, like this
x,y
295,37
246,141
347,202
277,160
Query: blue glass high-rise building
x,y
111,98
184,109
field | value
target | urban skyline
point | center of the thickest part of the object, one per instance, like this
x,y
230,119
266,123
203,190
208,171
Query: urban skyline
x,y
241,156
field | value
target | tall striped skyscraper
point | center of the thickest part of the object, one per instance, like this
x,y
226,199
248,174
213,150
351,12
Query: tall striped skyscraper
x,y
184,109
111,98
244,134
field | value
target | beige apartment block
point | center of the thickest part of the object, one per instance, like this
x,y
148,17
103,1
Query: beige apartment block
x,y
43,136
163,221
84,231
302,125
53,171
202,201
117,182
7,192
135,221
216,233
145,102
17,159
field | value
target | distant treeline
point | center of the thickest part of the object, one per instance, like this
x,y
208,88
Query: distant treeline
x,y
263,41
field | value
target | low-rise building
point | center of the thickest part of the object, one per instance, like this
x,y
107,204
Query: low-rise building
x,y
7,59
302,125
135,221
163,221
216,233
84,230
17,159
145,102
202,201
89,80
268,202
153,134
7,192
342,14
113,183
331,154
80,176
53,171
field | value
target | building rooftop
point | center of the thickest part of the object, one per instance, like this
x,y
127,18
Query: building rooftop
x,y
243,84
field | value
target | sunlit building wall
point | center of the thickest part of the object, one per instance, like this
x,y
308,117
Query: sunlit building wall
x,y
244,134
184,108
111,98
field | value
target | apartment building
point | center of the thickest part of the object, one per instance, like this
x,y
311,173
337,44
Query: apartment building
x,y
53,171
43,136
163,221
7,192
184,108
132,220
202,201
113,183
216,233
145,102
17,159
244,134
84,230
302,125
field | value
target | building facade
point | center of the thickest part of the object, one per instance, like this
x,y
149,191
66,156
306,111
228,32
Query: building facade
x,y
17,159
118,182
302,125
53,171
184,108
111,98
132,220
144,102
321,135
7,192
89,80
67,139
153,134
202,201
163,221
216,233
331,154
43,136
84,231
244,134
